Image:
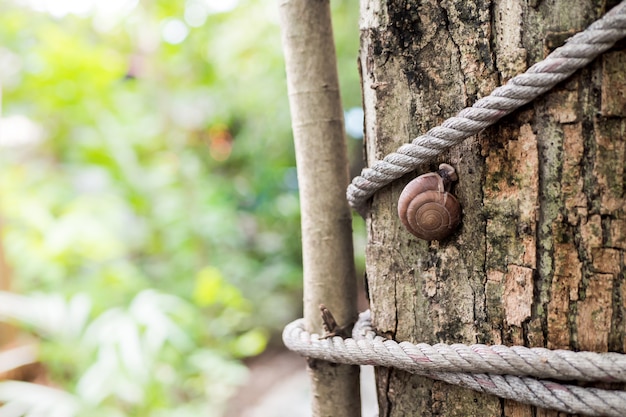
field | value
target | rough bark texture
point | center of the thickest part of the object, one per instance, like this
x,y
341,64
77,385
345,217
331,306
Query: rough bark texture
x,y
539,259
327,254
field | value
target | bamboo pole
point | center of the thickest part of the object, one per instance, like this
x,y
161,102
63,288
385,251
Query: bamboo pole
x,y
327,252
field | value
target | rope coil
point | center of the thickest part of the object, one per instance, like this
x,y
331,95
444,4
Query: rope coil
x,y
508,372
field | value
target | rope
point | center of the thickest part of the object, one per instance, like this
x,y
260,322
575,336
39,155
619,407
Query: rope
x,y
519,373
578,51
507,372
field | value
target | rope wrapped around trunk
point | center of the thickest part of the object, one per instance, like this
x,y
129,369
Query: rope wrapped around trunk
x,y
519,373
578,51
508,372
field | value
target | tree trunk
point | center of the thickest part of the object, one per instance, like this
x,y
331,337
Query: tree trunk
x,y
539,258
327,254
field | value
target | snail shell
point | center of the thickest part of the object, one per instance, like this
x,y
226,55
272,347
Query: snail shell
x,y
426,209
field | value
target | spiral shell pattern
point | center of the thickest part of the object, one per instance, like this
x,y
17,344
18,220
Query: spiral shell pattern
x,y
427,210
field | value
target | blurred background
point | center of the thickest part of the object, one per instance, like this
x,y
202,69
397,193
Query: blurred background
x,y
149,214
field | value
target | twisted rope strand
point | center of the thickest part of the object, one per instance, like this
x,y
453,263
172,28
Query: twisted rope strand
x,y
497,370
365,347
578,51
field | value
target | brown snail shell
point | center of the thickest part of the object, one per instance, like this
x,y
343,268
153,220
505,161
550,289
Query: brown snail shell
x,y
427,209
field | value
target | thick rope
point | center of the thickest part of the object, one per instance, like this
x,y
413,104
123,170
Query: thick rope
x,y
577,52
507,372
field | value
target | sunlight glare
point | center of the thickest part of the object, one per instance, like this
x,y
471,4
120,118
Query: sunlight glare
x,y
82,8
19,131
174,31
196,13
218,6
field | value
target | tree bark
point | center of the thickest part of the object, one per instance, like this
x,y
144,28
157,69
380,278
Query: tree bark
x,y
321,156
539,258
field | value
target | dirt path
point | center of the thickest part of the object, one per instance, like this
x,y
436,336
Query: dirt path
x,y
279,387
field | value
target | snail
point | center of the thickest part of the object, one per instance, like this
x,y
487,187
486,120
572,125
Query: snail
x,y
426,208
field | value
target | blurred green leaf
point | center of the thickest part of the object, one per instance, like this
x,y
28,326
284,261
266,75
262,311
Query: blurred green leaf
x,y
251,343
148,193
211,288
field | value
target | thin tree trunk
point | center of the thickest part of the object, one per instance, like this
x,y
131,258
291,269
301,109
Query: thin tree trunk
x,y
539,259
317,121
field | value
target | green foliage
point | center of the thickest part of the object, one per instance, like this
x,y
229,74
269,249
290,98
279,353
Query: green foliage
x,y
152,211
139,360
